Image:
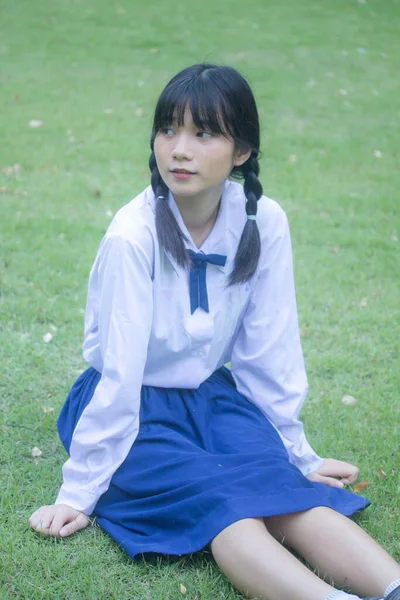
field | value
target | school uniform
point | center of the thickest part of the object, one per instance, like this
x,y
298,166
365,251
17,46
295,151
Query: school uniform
x,y
167,445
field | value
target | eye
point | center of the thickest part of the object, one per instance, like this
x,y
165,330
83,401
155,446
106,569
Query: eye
x,y
204,134
167,131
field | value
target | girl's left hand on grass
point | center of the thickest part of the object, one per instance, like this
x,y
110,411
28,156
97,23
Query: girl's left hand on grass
x,y
336,473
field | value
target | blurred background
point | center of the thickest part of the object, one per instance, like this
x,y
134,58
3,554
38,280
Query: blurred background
x,y
79,82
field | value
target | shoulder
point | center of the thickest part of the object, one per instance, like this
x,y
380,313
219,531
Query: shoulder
x,y
134,223
271,220
131,235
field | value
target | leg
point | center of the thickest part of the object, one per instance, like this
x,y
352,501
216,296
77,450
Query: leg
x,y
260,567
338,548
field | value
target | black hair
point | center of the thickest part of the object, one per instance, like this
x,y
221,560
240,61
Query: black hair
x,y
220,101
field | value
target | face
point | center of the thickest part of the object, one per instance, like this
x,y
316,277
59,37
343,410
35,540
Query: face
x,y
193,162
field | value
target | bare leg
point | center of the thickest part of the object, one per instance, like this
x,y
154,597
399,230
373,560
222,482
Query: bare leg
x,y
338,548
260,567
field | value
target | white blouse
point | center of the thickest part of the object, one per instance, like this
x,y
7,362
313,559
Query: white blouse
x,y
139,330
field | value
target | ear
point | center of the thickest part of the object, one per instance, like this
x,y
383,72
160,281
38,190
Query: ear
x,y
240,156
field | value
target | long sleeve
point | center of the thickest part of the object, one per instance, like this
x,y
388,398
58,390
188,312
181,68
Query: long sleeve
x,y
109,424
267,359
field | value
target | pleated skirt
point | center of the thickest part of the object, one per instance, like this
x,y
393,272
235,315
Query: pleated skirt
x,y
203,459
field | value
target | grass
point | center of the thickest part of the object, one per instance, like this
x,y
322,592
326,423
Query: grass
x,y
325,75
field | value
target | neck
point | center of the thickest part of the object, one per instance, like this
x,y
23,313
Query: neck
x,y
199,212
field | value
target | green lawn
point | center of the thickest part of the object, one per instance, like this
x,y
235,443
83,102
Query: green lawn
x,y
325,75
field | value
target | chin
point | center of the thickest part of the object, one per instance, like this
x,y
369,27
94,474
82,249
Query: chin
x,y
183,188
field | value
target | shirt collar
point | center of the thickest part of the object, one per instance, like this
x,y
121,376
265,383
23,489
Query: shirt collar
x,y
216,241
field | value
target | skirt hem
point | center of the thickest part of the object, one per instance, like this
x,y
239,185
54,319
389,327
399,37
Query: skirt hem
x,y
221,518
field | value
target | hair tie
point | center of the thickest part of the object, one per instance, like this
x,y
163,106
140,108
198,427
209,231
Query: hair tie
x,y
252,217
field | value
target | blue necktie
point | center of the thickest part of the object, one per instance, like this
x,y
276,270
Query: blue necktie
x,y
198,286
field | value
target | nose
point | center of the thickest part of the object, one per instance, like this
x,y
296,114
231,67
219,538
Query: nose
x,y
182,148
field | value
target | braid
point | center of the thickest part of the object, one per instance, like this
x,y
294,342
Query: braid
x,y
249,250
169,234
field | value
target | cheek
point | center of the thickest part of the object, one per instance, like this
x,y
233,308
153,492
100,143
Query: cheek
x,y
160,152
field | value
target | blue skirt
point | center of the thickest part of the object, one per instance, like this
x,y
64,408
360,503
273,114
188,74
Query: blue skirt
x,y
203,459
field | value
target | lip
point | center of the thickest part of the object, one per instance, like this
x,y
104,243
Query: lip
x,y
182,173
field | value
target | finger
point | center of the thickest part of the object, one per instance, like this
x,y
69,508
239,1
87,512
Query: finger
x,y
350,479
78,523
59,521
336,470
331,481
42,523
343,470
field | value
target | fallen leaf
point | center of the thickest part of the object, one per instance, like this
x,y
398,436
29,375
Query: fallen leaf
x,y
140,83
343,92
109,213
53,327
361,50
360,486
61,236
16,167
154,50
381,473
292,158
47,337
35,123
47,409
335,250
395,238
139,112
3,189
183,589
349,400
8,170
323,152
378,154
311,83
108,111
303,332
36,452
363,302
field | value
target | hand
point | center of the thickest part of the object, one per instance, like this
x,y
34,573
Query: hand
x,y
58,520
335,473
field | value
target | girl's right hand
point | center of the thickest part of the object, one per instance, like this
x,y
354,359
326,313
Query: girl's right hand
x,y
59,520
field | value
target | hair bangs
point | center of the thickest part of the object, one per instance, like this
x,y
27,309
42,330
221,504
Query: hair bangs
x,y
206,102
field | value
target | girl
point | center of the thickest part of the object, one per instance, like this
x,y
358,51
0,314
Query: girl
x,y
169,449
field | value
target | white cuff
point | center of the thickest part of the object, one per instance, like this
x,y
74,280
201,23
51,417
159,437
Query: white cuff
x,y
77,498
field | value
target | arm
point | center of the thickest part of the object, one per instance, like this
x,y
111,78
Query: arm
x,y
109,424
267,360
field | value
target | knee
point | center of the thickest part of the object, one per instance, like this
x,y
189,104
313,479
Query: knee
x,y
283,526
235,534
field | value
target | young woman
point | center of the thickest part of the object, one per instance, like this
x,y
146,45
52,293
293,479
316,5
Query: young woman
x,y
169,449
